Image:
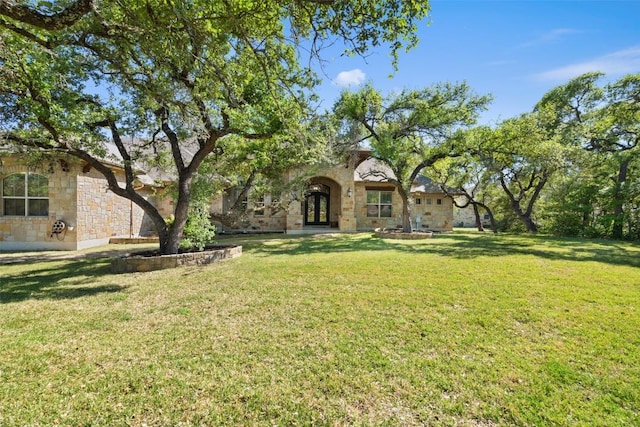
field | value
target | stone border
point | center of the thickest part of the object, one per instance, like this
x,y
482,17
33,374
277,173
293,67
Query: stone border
x,y
133,263
132,240
398,235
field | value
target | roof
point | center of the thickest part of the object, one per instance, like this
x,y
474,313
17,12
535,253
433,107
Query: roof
x,y
374,170
423,184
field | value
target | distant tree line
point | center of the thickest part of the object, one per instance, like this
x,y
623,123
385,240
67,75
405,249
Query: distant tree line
x,y
569,167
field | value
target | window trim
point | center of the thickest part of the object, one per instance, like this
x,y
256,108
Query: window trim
x,y
259,206
25,197
379,203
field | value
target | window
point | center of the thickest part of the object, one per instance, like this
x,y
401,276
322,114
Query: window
x,y
438,201
379,204
25,195
258,207
427,201
418,201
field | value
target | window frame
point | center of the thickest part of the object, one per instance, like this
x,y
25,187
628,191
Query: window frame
x,y
259,206
379,204
26,197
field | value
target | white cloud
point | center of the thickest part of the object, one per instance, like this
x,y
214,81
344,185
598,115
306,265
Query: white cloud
x,y
499,63
551,36
349,78
616,63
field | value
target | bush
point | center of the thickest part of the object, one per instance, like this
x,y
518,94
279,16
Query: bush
x,y
199,230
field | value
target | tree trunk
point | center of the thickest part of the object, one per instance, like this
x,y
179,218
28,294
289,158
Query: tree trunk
x,y
619,199
476,213
525,217
170,237
406,212
492,219
531,226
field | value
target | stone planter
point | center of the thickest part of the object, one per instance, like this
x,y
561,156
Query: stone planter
x,y
132,240
399,235
148,262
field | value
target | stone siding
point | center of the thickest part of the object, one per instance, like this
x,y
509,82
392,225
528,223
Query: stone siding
x,y
34,233
102,214
340,180
434,216
431,216
80,199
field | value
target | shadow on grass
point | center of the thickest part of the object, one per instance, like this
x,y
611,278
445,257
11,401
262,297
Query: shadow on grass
x,y
467,246
66,279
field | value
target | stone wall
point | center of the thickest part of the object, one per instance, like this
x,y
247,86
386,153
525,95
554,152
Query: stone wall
x,y
103,214
432,216
348,209
80,199
34,233
340,180
366,223
132,263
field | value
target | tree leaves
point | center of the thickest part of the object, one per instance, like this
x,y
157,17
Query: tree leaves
x,y
411,130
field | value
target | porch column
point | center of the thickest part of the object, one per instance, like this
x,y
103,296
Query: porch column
x,y
294,221
347,217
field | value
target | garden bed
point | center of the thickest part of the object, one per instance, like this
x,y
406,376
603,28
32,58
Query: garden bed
x,y
152,260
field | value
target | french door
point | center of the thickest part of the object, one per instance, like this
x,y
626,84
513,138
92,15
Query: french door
x,y
316,208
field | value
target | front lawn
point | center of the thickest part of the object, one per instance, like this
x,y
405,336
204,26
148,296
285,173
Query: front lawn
x,y
463,329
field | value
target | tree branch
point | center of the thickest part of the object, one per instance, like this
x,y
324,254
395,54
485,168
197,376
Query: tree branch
x,y
56,21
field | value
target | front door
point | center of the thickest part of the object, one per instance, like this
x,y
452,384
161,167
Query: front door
x,y
316,207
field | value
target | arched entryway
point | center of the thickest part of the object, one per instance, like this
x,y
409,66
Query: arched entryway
x,y
317,205
321,205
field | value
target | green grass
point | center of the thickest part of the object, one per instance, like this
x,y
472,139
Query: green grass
x,y
463,330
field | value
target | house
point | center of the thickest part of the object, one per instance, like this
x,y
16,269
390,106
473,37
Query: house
x,y
347,198
64,204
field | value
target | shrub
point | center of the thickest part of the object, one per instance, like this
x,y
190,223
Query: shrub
x,y
199,230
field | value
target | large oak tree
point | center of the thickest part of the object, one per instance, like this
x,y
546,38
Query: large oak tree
x,y
191,78
604,120
409,131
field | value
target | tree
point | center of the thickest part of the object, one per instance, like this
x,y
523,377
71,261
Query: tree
x,y
55,16
410,131
523,153
606,122
466,177
192,79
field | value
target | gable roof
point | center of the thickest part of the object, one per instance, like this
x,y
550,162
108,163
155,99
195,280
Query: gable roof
x,y
374,170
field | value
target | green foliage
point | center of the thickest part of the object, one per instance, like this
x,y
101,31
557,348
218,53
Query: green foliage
x,y
522,154
600,198
186,82
409,131
199,231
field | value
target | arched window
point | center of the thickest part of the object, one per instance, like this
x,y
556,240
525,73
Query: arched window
x,y
25,194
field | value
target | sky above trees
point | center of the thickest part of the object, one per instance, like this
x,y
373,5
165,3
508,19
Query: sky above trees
x,y
516,50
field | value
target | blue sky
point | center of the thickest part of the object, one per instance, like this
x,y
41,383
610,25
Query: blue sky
x,y
515,50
